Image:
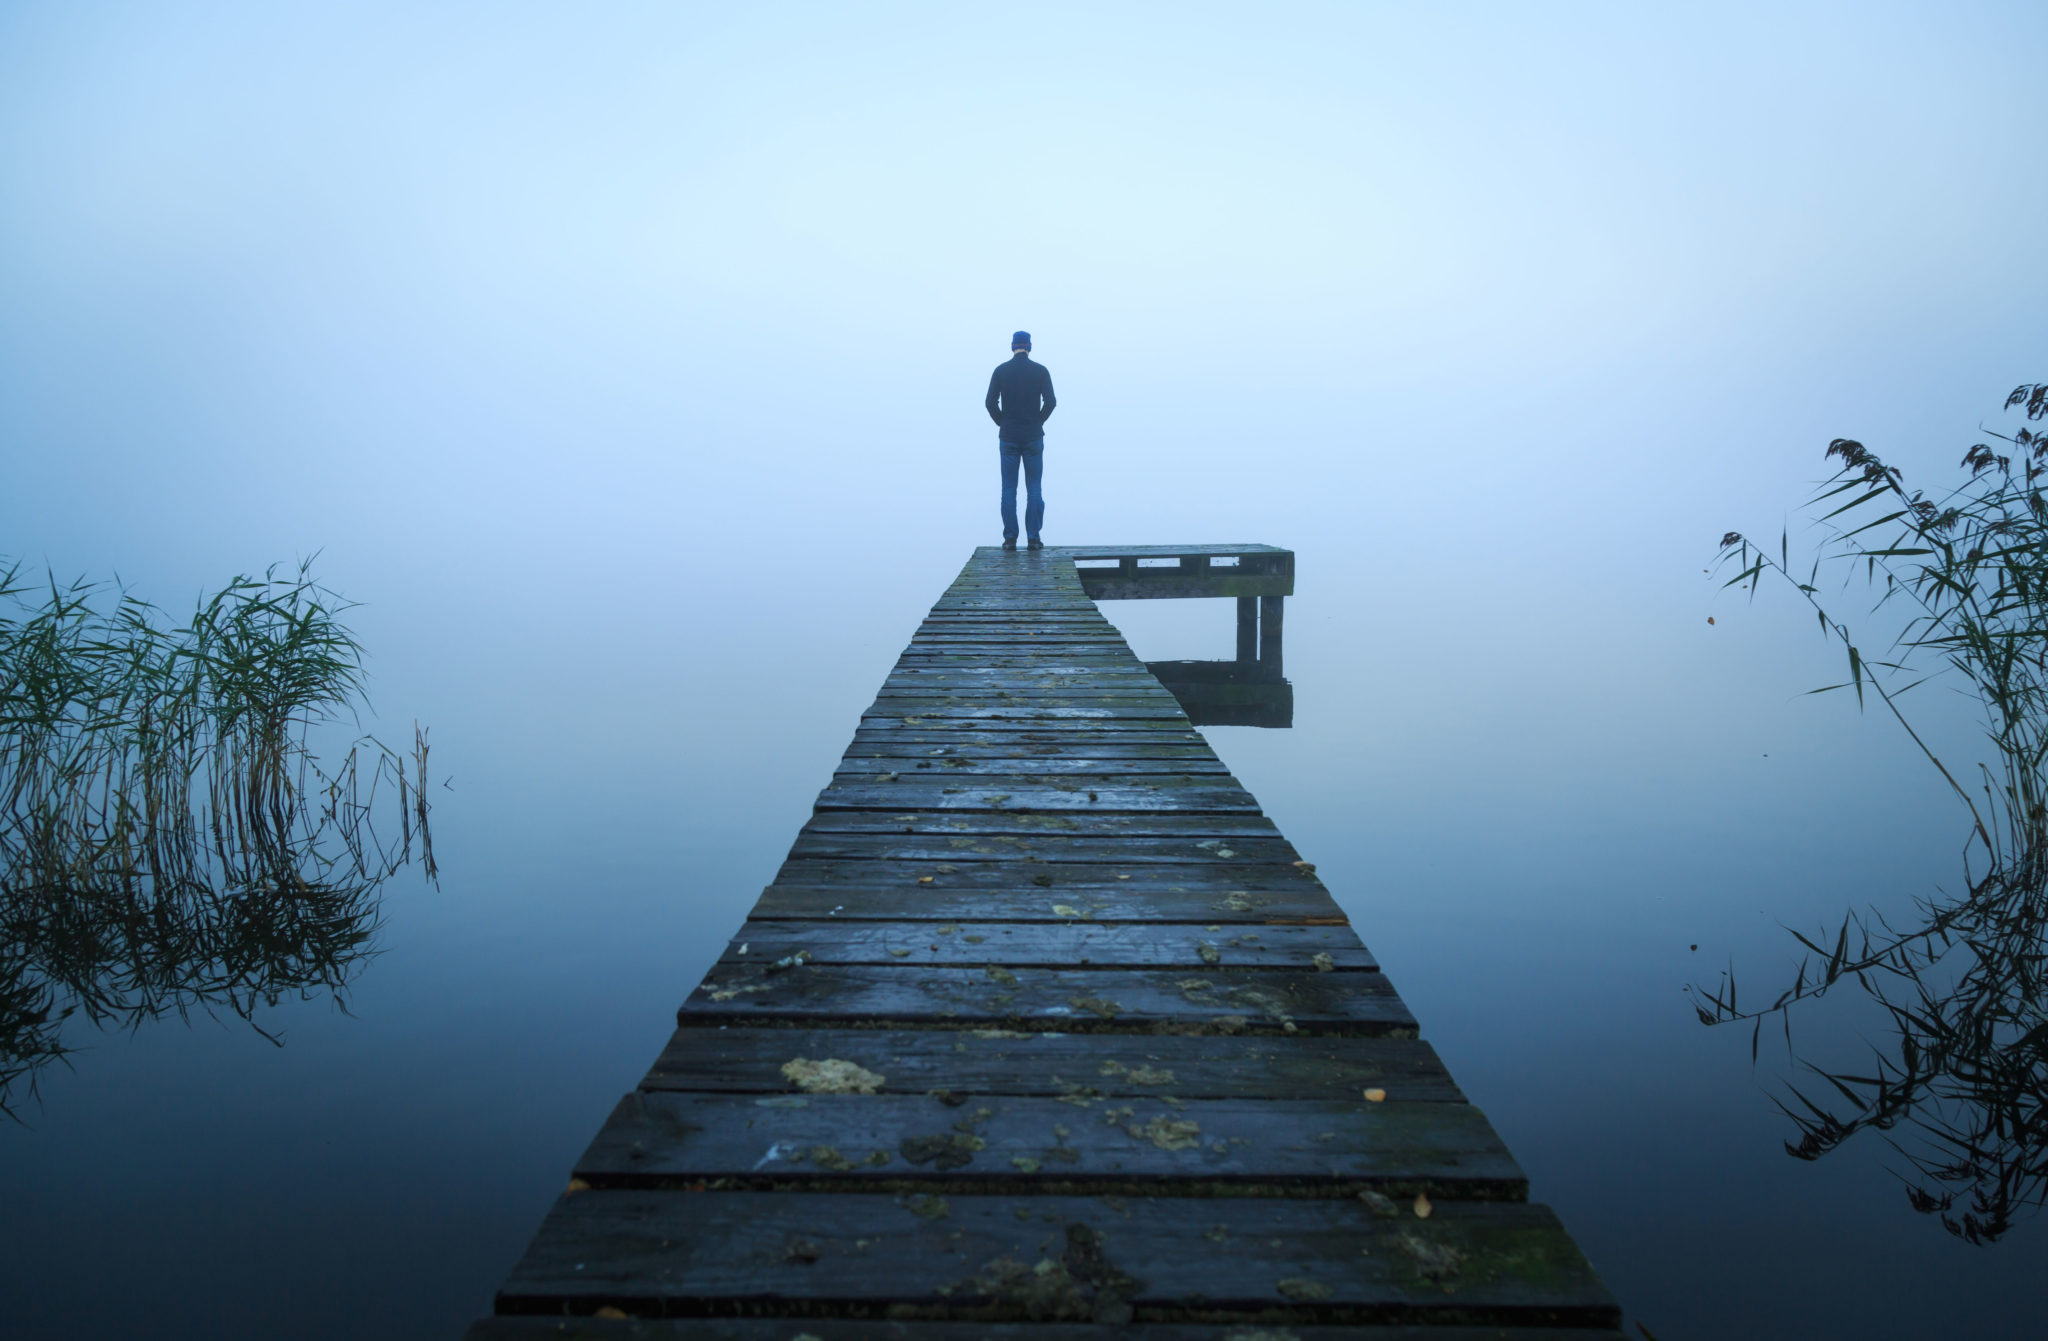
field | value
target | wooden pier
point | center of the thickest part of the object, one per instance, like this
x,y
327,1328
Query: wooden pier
x,y
1043,1032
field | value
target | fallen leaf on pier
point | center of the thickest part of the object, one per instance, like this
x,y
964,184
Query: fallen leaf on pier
x,y
1375,1096
1303,1290
1436,1261
1095,1005
831,1076
1168,1133
1379,1203
1422,1206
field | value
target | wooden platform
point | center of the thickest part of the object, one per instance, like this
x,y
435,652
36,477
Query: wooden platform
x,y
1045,1033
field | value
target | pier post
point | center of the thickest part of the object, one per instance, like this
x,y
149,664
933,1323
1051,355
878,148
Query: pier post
x,y
1270,614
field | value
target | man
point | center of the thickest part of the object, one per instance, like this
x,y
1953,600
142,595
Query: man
x,y
1020,400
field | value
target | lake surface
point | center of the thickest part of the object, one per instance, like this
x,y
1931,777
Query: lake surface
x,y
1529,841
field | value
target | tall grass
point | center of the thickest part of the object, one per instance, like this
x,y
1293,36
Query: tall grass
x,y
168,837
1960,1087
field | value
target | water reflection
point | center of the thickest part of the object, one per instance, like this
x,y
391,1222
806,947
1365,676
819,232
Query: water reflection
x,y
1960,1086
117,957
1228,693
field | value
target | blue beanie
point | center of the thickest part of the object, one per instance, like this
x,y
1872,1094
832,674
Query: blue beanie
x,y
1021,340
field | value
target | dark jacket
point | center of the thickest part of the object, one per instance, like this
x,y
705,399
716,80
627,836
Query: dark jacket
x,y
1020,400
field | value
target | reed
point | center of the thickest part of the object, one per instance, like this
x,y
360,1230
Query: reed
x,y
1960,1088
168,835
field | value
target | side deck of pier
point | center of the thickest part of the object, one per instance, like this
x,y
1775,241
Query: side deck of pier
x,y
1043,1031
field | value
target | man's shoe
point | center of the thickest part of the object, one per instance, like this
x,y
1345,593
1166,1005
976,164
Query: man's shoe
x,y
1036,543
1009,542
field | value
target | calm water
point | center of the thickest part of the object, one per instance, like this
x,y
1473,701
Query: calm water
x,y
1529,845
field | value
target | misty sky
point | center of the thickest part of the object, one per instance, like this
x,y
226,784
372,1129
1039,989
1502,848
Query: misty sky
x,y
552,323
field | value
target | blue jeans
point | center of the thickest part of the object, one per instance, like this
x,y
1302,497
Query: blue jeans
x,y
1033,459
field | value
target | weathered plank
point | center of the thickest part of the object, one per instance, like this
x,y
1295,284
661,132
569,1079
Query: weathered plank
x,y
1082,554
1084,714
1166,583
1021,632
1042,765
977,744
1076,1144
908,714
1181,794
1065,612
1038,695
1136,824
851,890
1036,626
1030,661
1079,944
1161,777
1254,859
581,1328
1115,1066
1113,1261
1192,1000
1054,741
977,676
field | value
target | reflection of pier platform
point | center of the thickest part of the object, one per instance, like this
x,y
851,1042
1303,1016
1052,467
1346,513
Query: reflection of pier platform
x,y
1043,1032
1226,693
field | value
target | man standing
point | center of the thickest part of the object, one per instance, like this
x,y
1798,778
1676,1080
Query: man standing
x,y
1020,400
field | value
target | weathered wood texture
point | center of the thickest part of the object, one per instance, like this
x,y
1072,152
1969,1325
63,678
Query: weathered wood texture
x,y
1152,571
859,1329
1044,1032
